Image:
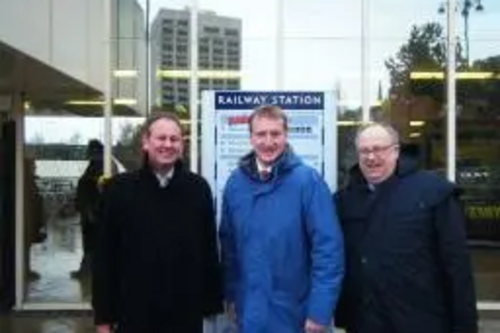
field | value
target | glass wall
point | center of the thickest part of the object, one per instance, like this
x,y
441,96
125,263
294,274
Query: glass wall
x,y
478,138
60,187
63,159
52,242
409,50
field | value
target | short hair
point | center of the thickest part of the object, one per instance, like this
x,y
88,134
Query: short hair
x,y
393,133
268,111
153,118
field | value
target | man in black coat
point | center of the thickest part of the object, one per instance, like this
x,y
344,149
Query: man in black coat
x,y
87,199
407,265
156,267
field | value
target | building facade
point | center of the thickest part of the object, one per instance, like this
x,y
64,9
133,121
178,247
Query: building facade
x,y
53,54
54,62
219,52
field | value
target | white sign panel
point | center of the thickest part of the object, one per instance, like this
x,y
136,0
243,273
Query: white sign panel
x,y
225,131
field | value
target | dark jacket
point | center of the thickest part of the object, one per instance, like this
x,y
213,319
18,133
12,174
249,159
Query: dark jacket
x,y
407,264
87,191
156,264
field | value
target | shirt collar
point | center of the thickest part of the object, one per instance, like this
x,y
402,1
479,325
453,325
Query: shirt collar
x,y
261,167
164,179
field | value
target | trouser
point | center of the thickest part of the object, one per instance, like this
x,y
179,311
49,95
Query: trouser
x,y
88,238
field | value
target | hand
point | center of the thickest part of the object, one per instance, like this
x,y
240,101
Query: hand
x,y
230,310
312,327
103,329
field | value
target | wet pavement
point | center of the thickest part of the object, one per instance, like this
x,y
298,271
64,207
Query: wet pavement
x,y
52,323
52,263
45,323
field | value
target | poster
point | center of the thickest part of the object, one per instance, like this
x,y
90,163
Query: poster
x,y
226,137
312,133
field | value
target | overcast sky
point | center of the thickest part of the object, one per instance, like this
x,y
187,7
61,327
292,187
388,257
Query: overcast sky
x,y
322,45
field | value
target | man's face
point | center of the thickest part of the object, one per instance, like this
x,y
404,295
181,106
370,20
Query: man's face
x,y
163,144
268,139
378,154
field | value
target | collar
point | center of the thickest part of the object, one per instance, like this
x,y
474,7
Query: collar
x,y
261,167
164,179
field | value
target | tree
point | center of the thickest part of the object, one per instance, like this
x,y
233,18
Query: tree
x,y
425,51
489,64
37,139
75,139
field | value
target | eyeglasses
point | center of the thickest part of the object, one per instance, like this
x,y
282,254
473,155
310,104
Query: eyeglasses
x,y
376,150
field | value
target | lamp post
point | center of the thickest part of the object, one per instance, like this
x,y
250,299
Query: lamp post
x,y
450,7
365,54
466,7
148,59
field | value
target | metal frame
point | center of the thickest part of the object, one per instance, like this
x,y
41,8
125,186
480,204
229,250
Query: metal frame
x,y
19,195
108,84
21,304
193,86
365,56
451,142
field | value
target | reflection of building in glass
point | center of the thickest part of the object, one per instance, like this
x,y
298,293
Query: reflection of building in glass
x,y
219,54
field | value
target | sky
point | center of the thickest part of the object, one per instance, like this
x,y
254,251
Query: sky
x,y
322,45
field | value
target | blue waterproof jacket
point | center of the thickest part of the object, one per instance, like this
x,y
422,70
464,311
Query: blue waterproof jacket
x,y
282,248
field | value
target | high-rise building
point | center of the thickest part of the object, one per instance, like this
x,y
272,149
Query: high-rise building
x,y
219,54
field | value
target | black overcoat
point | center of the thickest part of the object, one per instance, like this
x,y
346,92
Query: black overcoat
x,y
156,267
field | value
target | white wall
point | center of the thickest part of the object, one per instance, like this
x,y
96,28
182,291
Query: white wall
x,y
69,36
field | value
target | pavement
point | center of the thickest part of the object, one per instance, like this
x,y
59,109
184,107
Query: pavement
x,y
46,323
82,323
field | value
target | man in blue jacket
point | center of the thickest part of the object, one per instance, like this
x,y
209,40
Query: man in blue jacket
x,y
407,265
282,248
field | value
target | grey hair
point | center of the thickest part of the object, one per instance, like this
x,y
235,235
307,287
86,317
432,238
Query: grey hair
x,y
393,133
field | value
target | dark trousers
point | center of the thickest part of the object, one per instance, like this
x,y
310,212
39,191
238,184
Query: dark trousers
x,y
88,238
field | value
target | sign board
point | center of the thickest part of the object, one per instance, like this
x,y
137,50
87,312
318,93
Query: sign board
x,y
226,138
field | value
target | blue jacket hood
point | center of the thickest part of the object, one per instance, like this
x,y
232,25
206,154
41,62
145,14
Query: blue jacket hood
x,y
285,163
